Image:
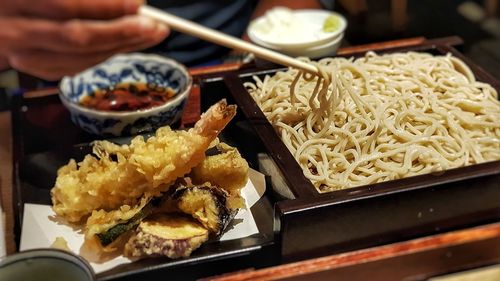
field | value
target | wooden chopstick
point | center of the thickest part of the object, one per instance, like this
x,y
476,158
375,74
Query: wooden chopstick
x,y
217,37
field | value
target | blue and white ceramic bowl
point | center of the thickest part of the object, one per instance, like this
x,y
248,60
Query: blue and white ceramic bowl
x,y
128,68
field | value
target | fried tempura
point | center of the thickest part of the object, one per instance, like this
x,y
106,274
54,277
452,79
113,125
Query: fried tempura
x,y
61,244
227,170
121,175
101,220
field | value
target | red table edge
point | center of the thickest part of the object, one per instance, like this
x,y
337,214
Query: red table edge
x,y
332,262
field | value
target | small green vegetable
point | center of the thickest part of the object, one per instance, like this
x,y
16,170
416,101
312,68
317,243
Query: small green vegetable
x,y
110,235
331,24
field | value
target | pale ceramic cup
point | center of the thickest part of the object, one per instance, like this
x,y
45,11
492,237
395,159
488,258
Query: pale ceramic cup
x,y
45,265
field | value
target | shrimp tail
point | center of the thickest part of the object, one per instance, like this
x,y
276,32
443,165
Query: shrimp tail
x,y
214,120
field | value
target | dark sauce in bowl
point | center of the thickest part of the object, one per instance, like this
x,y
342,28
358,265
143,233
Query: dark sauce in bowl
x,y
127,97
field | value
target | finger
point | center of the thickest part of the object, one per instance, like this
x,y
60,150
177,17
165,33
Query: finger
x,y
52,66
79,36
87,37
83,9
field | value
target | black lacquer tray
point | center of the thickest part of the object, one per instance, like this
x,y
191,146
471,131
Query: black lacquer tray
x,y
313,224
45,139
303,224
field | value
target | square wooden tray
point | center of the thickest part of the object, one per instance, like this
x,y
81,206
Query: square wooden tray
x,y
311,224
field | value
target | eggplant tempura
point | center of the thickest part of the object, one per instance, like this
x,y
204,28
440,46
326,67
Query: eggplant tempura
x,y
124,189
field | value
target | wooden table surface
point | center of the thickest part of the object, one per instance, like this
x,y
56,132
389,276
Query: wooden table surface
x,y
6,179
417,259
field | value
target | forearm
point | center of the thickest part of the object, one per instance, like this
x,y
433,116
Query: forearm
x,y
265,5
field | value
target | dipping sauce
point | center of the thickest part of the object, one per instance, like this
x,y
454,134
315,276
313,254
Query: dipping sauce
x,y
127,97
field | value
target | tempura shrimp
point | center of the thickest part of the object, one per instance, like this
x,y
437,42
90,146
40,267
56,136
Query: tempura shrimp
x,y
121,175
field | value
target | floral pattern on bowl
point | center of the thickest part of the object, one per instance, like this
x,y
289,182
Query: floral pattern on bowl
x,y
154,70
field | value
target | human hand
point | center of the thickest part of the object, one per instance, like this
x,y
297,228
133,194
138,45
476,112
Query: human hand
x,y
69,9
53,38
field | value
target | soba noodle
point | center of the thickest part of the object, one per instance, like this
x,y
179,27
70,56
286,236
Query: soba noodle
x,y
381,117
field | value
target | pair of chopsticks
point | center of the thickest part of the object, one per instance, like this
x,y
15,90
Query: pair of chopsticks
x,y
219,38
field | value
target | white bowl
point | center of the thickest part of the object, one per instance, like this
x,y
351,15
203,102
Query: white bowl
x,y
325,50
328,49
285,29
153,70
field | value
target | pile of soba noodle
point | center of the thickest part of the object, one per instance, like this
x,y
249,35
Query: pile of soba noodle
x,y
381,117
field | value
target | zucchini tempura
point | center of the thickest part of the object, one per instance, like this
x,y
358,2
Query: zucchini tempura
x,y
121,175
